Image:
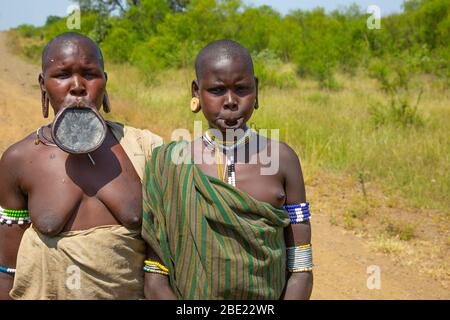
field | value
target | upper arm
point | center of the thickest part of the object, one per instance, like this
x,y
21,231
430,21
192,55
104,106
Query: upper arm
x,y
296,234
11,197
156,286
152,204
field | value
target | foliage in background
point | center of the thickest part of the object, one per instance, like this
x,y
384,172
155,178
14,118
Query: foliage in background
x,y
157,34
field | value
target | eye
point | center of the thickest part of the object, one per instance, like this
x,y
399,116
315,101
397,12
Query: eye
x,y
217,90
90,75
242,89
62,75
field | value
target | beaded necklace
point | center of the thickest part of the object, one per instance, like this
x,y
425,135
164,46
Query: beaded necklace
x,y
228,148
42,138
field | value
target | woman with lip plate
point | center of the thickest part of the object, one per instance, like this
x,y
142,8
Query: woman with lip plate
x,y
71,223
219,223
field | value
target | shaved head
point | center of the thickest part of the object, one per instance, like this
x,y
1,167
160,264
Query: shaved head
x,y
67,39
222,50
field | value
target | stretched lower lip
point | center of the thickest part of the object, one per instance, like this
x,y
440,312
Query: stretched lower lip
x,y
78,103
231,123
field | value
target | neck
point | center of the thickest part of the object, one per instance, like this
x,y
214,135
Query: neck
x,y
213,138
228,137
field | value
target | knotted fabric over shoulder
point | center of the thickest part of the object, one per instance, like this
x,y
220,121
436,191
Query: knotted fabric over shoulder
x,y
137,143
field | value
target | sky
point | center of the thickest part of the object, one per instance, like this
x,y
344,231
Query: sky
x,y
35,12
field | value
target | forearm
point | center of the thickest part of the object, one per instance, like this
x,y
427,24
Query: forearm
x,y
10,237
299,286
157,287
6,283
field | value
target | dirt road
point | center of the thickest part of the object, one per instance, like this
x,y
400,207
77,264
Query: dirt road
x,y
342,259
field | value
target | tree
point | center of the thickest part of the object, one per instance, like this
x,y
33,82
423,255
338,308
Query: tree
x,y
411,5
178,5
109,6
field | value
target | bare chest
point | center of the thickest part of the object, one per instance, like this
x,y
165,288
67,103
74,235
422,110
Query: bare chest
x,y
253,179
67,192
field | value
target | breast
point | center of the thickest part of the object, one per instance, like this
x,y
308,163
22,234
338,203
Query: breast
x,y
52,203
123,198
267,189
49,222
131,221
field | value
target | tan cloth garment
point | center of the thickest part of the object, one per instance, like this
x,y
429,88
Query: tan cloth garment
x,y
137,143
110,258
99,263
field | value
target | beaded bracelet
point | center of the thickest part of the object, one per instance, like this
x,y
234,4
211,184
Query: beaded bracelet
x,y
155,271
8,216
4,269
10,211
155,267
298,212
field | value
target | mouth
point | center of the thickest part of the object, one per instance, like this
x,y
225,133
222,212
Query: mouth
x,y
232,123
78,103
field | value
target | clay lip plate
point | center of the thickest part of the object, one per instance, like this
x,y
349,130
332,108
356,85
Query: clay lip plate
x,y
78,130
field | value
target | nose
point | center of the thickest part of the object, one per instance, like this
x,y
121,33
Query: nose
x,y
77,88
230,101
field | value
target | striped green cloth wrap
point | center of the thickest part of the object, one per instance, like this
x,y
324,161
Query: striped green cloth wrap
x,y
217,241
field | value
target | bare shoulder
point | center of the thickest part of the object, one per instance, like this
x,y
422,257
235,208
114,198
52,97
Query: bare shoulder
x,y
291,171
12,165
287,153
288,157
18,152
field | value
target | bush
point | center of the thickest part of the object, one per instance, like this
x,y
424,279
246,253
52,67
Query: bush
x,y
32,52
397,112
52,19
118,45
28,31
403,230
269,70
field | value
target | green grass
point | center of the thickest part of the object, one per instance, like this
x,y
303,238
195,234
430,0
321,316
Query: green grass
x,y
328,129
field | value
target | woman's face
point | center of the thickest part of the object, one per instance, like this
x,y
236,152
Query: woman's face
x,y
73,75
227,91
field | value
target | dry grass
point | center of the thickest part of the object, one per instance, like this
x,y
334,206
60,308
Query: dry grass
x,y
330,130
403,230
390,245
422,256
414,238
